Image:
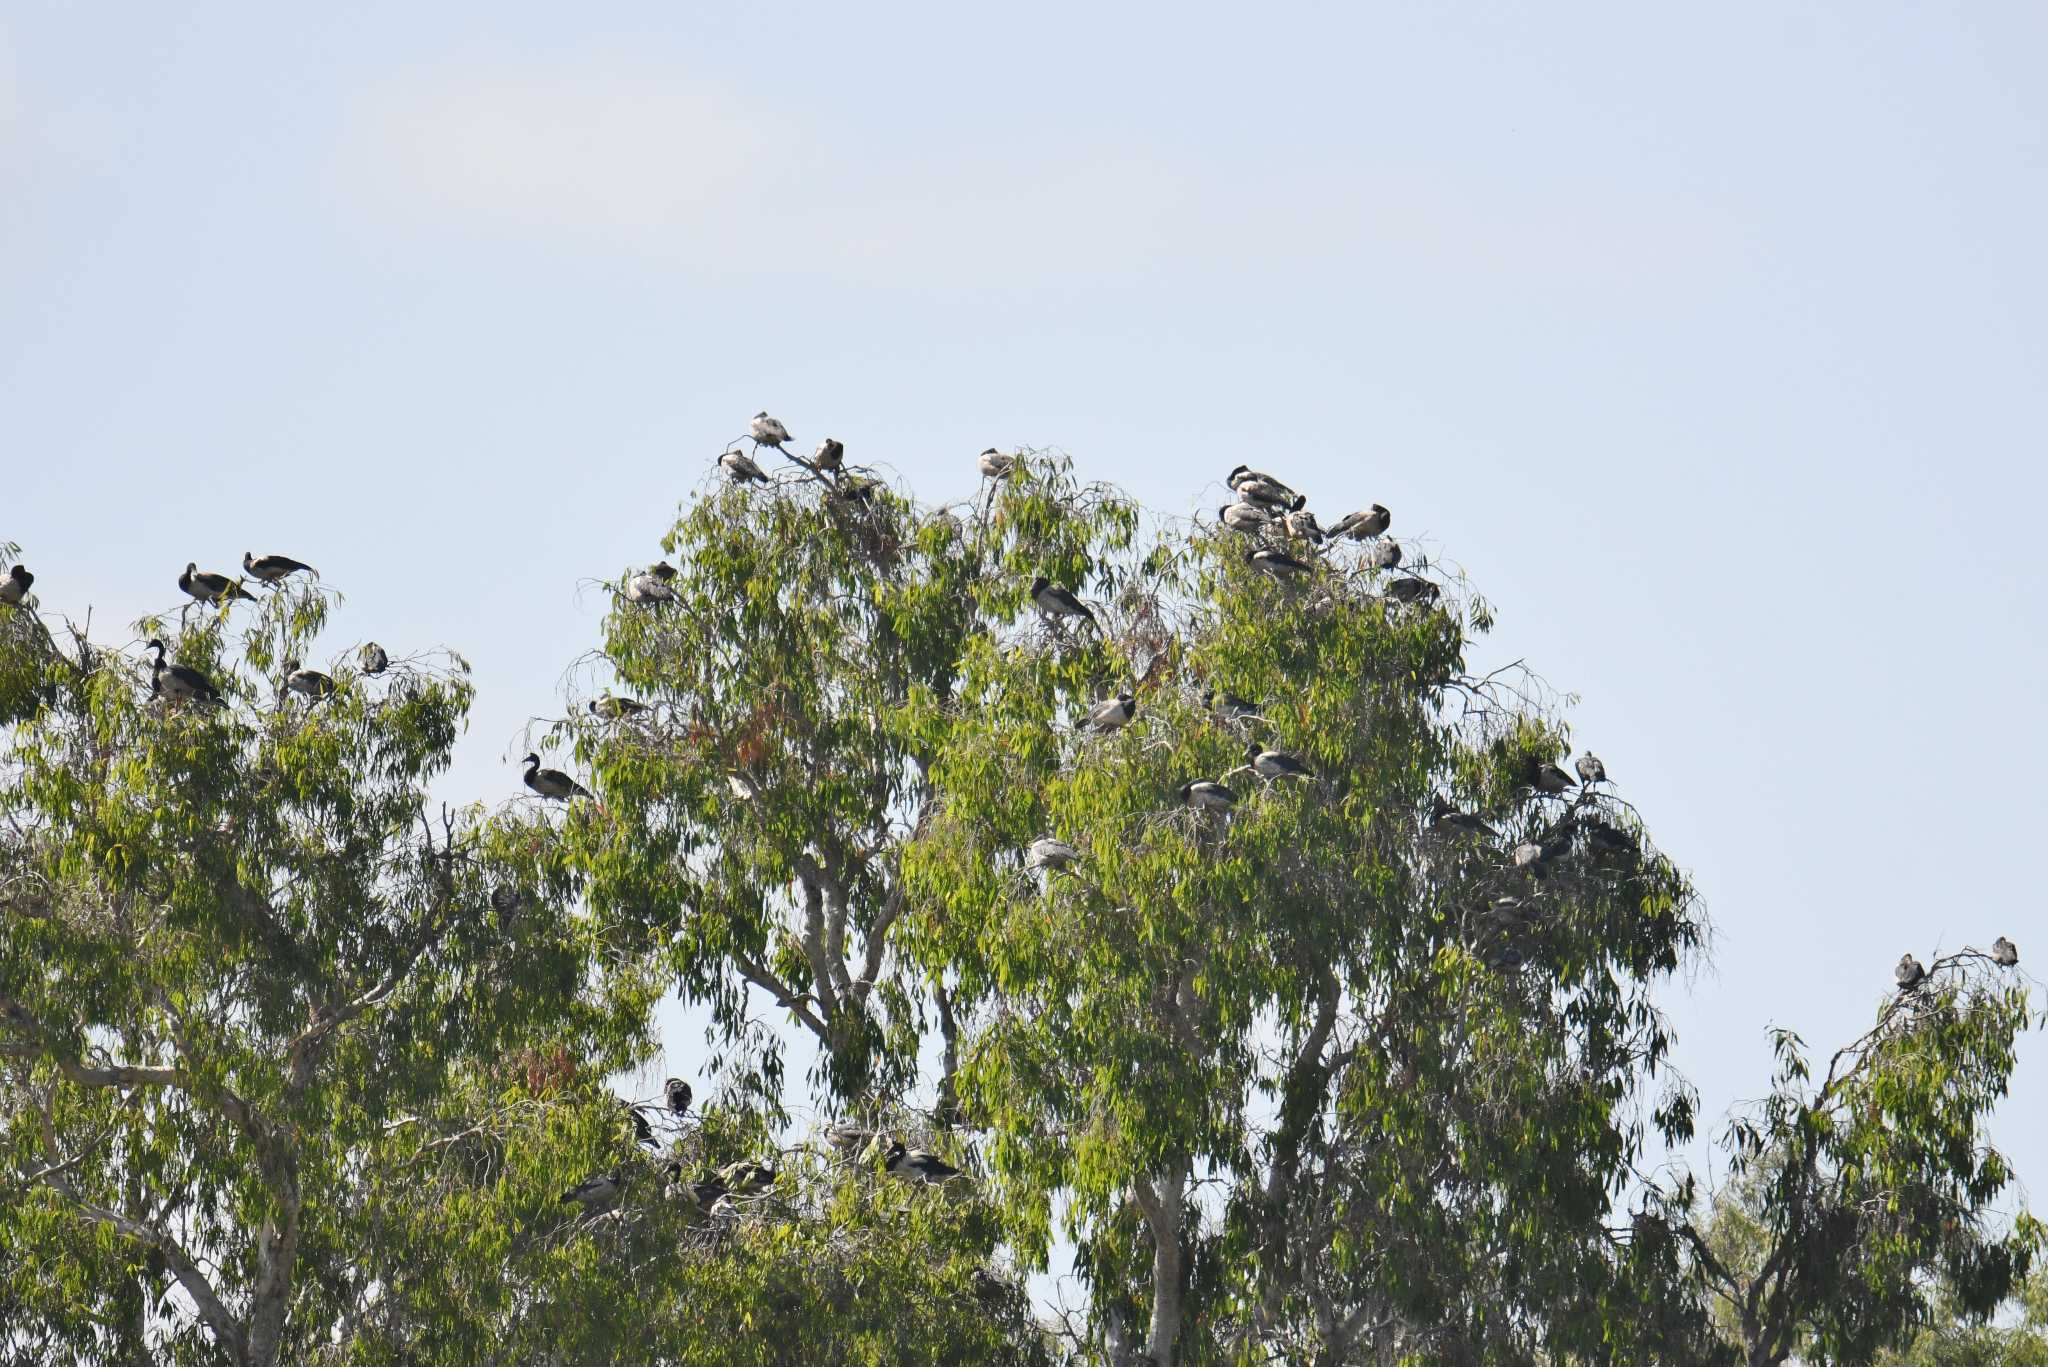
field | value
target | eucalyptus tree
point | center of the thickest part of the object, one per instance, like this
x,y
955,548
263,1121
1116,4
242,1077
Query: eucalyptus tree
x,y
1865,1208
237,946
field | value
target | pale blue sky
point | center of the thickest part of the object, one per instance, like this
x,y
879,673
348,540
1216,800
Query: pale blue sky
x,y
1710,341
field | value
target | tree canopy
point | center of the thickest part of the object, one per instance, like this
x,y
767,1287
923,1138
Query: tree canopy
x,y
1182,885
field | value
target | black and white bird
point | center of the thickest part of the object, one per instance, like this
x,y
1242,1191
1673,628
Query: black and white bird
x,y
643,1133
551,782
1112,713
1366,522
995,464
707,1191
178,682
1602,836
830,456
746,1177
1301,524
1527,854
1591,770
740,468
652,585
1279,564
1384,555
1410,590
373,659
1048,852
1270,490
616,709
597,1192
208,587
1274,763
1548,779
1243,517
1207,792
767,431
1228,705
1056,602
1442,815
274,569
14,587
676,1093
1909,974
916,1165
310,683
2005,953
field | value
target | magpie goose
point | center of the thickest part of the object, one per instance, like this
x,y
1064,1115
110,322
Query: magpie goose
x,y
1409,590
310,682
652,585
373,658
2004,953
1244,474
208,587
707,1191
768,431
614,709
746,1178
1242,517
831,455
676,1093
1271,494
643,1133
1301,524
1056,602
1602,836
916,1165
1366,522
272,569
1384,555
1528,853
1111,713
14,587
1548,779
551,782
1591,770
740,468
597,1192
1279,564
179,682
1443,814
1232,707
1207,792
995,464
1274,763
1046,852
1909,974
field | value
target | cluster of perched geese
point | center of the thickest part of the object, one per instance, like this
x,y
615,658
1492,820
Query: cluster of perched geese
x,y
745,1178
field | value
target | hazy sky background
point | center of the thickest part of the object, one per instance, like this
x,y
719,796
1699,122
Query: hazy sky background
x,y
1710,342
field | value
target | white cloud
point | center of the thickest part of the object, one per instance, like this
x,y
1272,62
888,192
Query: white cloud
x,y
609,154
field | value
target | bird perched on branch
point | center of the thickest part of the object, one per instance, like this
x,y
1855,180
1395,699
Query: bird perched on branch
x,y
1256,486
1056,602
2005,953
916,1165
1366,522
652,585
1243,517
1207,792
1410,590
1591,770
373,659
1228,705
995,464
746,1178
1112,713
1274,763
1384,555
208,587
1442,815
740,468
309,682
616,709
1548,779
552,783
15,586
1909,974
767,431
274,569
1046,852
1279,564
1302,526
830,456
179,682
643,1133
595,1193
676,1093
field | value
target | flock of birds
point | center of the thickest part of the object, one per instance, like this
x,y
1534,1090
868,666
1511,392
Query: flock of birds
x,y
1265,509
718,1187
